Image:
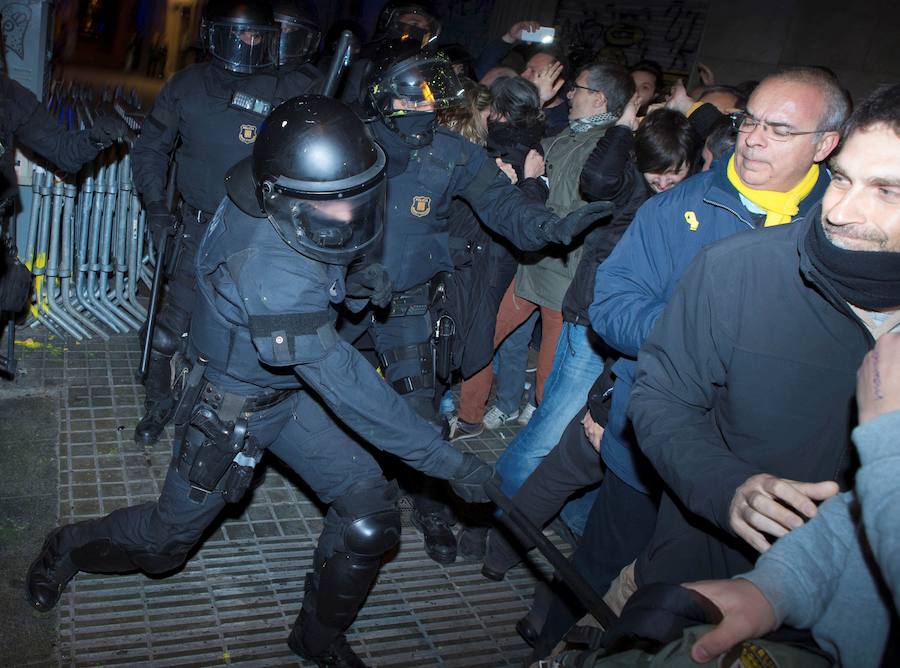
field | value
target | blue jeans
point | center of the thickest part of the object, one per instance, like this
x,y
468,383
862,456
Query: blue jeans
x,y
576,365
510,362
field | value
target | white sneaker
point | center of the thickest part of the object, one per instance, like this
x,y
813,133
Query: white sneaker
x,y
526,413
495,418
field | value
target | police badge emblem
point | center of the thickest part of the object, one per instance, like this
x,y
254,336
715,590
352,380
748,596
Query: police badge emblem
x,y
421,206
247,133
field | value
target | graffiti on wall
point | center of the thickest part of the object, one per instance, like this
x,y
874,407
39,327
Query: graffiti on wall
x,y
15,18
626,31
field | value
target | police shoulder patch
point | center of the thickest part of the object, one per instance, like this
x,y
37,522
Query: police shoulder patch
x,y
421,205
247,133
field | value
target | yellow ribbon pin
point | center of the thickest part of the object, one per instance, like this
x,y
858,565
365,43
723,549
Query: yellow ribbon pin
x,y
692,221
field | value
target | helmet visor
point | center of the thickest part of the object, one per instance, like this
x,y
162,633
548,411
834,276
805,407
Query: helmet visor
x,y
425,85
412,23
296,43
336,230
242,48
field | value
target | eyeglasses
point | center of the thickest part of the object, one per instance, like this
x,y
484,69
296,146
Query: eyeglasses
x,y
593,90
745,123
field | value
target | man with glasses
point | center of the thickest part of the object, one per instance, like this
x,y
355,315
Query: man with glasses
x,y
596,101
769,180
773,178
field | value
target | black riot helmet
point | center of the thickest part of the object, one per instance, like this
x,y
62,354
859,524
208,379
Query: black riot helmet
x,y
240,34
320,179
300,31
412,21
403,81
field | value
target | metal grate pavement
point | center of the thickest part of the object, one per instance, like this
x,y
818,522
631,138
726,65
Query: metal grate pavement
x,y
235,600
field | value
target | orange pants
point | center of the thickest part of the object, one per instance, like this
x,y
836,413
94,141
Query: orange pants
x,y
513,311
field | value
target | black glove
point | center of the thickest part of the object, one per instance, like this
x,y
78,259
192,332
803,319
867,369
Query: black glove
x,y
159,220
468,481
371,281
108,129
563,230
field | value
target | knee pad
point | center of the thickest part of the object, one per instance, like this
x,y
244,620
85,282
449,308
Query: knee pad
x,y
372,520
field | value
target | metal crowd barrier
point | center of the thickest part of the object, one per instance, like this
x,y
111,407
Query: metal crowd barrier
x,y
85,241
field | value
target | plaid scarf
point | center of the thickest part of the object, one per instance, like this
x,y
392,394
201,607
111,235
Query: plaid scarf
x,y
590,122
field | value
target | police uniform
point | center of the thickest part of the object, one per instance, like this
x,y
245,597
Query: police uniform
x,y
268,371
417,248
217,114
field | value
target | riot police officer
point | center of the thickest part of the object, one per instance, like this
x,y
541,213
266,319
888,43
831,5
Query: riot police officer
x,y
268,372
426,167
216,109
300,34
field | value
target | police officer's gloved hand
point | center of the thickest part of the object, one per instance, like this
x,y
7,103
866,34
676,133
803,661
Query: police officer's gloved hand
x,y
469,480
563,230
159,220
108,129
372,282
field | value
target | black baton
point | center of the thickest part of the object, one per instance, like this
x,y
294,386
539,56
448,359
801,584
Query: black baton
x,y
340,60
153,306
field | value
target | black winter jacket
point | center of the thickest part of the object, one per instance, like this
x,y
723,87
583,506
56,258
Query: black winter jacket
x,y
609,174
750,369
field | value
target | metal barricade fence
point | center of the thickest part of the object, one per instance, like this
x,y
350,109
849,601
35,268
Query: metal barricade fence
x,y
85,242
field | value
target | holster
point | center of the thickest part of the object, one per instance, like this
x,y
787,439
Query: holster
x,y
216,453
444,326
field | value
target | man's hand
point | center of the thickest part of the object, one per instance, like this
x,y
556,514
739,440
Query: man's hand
x,y
878,379
746,614
372,282
592,430
763,504
468,482
547,80
563,230
507,169
534,165
629,114
514,34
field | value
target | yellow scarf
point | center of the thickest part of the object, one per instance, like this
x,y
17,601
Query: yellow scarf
x,y
780,207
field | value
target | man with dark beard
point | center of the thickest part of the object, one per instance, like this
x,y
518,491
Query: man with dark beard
x,y
743,400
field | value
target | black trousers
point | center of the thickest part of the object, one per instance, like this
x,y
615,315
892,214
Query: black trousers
x,y
571,467
619,526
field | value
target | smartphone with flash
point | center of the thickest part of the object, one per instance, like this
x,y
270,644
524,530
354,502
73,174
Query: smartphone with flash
x,y
543,35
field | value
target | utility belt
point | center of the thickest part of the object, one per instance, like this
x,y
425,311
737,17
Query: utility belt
x,y
434,355
217,453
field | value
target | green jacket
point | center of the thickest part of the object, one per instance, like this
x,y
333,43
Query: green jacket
x,y
544,278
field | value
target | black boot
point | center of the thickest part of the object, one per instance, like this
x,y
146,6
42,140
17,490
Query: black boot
x,y
529,627
159,404
471,542
338,654
440,543
499,556
51,571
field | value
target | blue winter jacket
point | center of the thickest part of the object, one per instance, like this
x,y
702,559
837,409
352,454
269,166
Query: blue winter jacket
x,y
634,283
